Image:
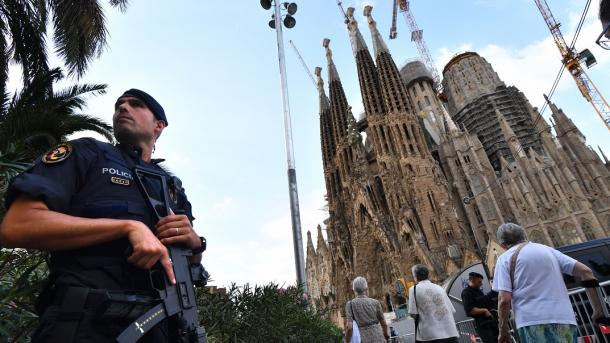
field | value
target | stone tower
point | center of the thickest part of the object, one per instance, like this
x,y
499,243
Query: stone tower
x,y
474,93
420,87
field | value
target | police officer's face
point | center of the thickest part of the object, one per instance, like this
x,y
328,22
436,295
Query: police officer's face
x,y
134,123
476,282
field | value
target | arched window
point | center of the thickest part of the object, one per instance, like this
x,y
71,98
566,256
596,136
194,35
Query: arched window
x,y
571,234
587,230
537,237
555,237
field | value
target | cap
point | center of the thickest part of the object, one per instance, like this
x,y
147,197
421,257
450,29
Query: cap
x,y
475,274
152,104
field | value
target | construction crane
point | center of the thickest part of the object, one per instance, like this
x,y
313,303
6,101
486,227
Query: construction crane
x,y
393,32
417,36
572,62
303,63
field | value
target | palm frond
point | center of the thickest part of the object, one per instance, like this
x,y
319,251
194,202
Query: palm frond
x,y
120,4
28,31
80,32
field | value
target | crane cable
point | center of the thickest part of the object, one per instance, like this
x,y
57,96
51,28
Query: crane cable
x,y
559,74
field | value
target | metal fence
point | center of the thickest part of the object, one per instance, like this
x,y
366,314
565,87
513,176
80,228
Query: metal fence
x,y
587,330
467,332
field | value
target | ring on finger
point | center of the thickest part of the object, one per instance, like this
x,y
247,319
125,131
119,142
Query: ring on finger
x,y
177,231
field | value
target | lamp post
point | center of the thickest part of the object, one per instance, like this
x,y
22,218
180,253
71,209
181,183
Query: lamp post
x,y
297,238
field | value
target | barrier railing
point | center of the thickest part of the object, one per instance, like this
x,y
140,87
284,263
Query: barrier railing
x,y
588,331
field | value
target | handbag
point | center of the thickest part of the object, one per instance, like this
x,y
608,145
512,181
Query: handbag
x,y
355,330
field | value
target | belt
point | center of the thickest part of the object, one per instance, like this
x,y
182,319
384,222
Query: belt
x,y
367,325
92,300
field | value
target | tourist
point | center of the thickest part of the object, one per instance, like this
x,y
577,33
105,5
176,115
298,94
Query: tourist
x,y
367,313
532,282
431,308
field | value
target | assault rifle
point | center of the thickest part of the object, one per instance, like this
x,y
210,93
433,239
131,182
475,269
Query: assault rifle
x,y
176,302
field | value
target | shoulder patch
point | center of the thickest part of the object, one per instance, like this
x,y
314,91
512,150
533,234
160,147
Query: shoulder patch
x,y
57,154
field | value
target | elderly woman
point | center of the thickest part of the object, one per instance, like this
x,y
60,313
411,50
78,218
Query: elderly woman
x,y
367,313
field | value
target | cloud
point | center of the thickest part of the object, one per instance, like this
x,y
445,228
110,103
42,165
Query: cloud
x,y
531,68
271,257
223,204
360,4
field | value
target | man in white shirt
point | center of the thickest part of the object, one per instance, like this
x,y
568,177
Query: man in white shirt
x,y
431,308
541,305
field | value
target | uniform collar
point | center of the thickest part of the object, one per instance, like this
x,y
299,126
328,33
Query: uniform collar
x,y
135,153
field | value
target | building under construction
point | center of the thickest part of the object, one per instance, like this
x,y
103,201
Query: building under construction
x,y
477,97
397,199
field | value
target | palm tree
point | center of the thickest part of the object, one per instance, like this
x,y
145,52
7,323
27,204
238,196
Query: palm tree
x,y
79,34
37,118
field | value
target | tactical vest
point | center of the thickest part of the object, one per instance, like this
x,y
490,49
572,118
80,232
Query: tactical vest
x,y
109,190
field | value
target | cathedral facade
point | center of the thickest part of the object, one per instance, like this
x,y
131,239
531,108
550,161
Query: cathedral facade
x,y
422,189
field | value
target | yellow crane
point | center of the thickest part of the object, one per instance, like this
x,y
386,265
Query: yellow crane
x,y
572,62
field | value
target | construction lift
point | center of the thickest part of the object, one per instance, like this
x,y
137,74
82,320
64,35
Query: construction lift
x,y
572,62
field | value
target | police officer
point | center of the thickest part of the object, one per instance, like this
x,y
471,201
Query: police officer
x,y
480,307
81,203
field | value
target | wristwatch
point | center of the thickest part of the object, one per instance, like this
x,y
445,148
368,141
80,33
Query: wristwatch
x,y
204,245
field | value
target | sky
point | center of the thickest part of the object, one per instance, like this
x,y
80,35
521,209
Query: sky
x,y
213,67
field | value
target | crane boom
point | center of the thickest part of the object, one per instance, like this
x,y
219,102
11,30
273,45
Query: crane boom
x,y
417,36
303,63
393,32
570,60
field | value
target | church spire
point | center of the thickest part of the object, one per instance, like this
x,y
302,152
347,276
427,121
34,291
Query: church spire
x,y
367,72
393,87
310,248
378,43
358,43
321,243
564,124
511,137
333,75
326,134
338,101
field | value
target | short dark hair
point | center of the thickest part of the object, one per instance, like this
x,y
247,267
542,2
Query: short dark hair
x,y
474,275
604,10
420,272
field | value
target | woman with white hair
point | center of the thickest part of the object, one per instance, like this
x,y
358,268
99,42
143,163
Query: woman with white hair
x,y
367,313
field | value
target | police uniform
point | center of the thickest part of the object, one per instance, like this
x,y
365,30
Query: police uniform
x,y
91,179
487,327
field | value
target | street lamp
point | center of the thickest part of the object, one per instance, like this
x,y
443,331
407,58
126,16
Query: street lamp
x,y
297,237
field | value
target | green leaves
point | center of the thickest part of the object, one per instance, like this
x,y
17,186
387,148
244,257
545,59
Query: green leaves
x,y
264,314
79,33
22,275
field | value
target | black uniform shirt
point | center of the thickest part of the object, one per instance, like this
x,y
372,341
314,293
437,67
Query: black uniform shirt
x,y
91,179
471,298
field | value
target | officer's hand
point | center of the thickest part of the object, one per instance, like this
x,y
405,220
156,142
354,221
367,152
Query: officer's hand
x,y
176,228
147,249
